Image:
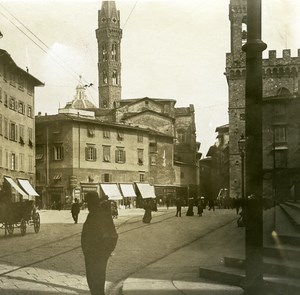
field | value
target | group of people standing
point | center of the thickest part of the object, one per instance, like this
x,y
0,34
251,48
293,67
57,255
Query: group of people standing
x,y
199,203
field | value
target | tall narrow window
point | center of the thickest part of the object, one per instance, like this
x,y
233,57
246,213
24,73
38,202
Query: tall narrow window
x,y
106,153
106,133
120,135
30,163
6,159
140,137
140,153
120,155
21,134
142,177
12,103
114,77
104,77
6,128
104,53
90,153
58,152
13,161
13,131
30,136
280,134
29,111
21,159
114,52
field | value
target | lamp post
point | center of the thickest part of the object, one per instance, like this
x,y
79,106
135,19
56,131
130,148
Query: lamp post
x,y
242,148
254,164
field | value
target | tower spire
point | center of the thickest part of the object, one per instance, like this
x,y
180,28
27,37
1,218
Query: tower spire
x,y
109,36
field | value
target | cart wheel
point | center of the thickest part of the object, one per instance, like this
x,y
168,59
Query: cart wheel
x,y
36,223
10,228
23,227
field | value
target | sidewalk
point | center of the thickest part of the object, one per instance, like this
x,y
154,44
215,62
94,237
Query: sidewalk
x,y
178,273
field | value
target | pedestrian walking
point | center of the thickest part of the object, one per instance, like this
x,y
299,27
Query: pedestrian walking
x,y
190,211
75,209
98,240
168,202
211,204
178,203
148,206
200,206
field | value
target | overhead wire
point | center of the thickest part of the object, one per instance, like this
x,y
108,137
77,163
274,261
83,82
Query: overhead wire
x,y
129,15
54,56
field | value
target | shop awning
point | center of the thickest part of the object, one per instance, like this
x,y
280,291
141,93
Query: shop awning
x,y
15,186
27,187
146,190
127,190
112,191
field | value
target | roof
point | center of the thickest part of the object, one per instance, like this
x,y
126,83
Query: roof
x,y
134,100
5,56
222,128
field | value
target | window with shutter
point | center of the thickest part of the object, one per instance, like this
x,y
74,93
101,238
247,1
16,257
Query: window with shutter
x,y
90,153
120,156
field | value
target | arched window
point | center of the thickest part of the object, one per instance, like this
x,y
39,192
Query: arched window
x,y
104,77
244,30
105,104
115,77
104,53
114,52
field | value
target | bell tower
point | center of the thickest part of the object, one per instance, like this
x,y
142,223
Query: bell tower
x,y
236,77
109,36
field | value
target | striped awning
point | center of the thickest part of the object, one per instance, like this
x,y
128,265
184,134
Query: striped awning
x,y
146,190
15,186
111,190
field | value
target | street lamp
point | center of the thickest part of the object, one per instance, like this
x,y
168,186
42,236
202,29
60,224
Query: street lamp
x,y
242,149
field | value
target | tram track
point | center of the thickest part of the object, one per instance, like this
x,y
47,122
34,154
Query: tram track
x,y
155,220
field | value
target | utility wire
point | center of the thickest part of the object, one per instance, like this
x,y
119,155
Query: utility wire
x,y
129,15
62,63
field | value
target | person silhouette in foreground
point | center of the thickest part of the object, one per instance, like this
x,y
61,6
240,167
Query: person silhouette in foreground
x,y
98,240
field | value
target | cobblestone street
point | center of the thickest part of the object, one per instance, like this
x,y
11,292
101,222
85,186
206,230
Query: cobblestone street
x,y
51,262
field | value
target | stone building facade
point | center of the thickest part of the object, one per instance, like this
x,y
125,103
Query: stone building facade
x,y
159,140
17,122
280,81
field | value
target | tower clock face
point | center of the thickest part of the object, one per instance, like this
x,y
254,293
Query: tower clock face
x,y
103,19
114,20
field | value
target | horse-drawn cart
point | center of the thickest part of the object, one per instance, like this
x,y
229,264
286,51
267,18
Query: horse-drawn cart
x,y
17,210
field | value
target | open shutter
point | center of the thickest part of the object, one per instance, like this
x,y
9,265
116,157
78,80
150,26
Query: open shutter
x,y
116,156
86,153
124,156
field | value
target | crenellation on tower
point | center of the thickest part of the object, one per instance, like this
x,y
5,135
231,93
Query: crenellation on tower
x,y
281,79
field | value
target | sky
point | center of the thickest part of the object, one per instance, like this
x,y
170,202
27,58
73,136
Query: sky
x,y
170,49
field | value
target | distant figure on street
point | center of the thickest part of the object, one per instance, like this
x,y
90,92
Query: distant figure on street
x,y
178,203
190,211
75,209
114,209
168,202
98,240
200,206
211,204
148,206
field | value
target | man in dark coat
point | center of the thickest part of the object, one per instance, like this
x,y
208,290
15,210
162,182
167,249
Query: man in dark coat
x,y
75,210
178,203
98,240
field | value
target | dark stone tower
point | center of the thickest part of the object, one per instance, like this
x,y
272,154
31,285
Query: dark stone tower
x,y
109,37
236,74
281,87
